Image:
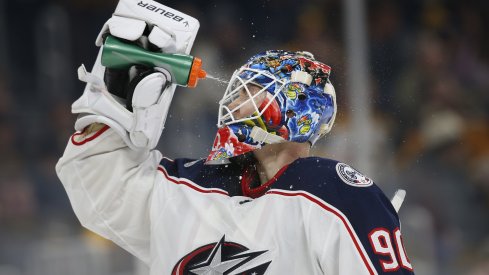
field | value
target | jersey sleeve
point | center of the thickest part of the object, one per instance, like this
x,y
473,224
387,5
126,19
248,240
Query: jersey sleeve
x,y
338,249
364,239
110,188
354,227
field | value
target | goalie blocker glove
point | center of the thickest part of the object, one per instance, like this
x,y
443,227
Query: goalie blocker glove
x,y
139,120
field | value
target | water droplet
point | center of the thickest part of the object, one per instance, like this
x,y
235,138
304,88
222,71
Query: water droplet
x,y
218,79
253,36
290,187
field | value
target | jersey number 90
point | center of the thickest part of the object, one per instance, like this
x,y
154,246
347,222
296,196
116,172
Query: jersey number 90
x,y
395,256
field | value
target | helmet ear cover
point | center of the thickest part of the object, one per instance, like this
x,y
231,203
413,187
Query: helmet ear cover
x,y
301,77
295,101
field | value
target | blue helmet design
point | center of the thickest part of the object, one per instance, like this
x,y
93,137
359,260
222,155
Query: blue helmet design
x,y
276,96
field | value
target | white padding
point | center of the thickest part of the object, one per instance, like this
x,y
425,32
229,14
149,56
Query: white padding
x,y
148,90
126,28
181,26
97,100
140,129
173,32
301,77
164,40
150,121
329,89
325,128
84,120
123,27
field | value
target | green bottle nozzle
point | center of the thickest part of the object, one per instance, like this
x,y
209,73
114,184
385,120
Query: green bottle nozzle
x,y
185,70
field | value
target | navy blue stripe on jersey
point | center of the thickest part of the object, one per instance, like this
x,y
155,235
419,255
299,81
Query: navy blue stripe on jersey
x,y
190,184
226,177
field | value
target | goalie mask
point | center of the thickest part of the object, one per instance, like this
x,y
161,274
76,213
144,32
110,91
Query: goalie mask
x,y
276,96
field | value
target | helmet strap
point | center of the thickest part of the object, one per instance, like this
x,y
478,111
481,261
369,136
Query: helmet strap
x,y
261,136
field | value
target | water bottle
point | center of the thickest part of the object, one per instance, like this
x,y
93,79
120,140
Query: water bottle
x,y
185,70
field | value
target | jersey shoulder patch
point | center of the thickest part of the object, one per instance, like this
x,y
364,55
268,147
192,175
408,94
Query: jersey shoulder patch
x,y
334,182
351,176
338,185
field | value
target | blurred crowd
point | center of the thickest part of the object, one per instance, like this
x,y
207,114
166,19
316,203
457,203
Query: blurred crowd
x,y
429,75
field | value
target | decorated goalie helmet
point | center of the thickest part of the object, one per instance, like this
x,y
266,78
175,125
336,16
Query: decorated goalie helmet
x,y
276,96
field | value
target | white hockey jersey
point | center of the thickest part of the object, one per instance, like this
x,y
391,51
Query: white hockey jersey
x,y
316,216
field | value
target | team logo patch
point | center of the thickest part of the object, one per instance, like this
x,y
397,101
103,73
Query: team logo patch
x,y
351,176
222,258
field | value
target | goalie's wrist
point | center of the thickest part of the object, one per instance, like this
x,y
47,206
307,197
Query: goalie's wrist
x,y
90,129
88,133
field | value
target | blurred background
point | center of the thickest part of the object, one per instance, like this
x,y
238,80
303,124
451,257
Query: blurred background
x,y
411,77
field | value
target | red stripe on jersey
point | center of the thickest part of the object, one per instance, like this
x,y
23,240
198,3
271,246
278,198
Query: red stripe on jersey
x,y
336,213
98,133
191,185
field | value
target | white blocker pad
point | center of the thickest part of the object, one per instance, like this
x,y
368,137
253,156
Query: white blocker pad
x,y
172,30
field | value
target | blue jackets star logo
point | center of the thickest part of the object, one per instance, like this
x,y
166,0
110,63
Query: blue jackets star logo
x,y
223,258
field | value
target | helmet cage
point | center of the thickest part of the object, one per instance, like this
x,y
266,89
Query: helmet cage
x,y
241,79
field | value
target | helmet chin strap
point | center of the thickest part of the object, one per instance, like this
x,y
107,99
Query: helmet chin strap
x,y
261,136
